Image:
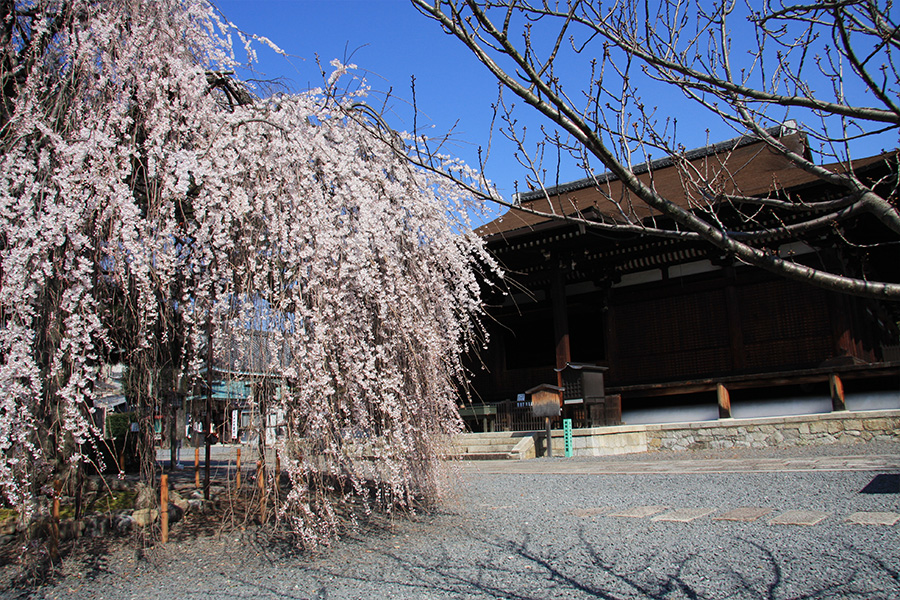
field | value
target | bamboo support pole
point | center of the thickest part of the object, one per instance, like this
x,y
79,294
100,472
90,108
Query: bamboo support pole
x,y
164,507
196,467
237,483
54,521
261,483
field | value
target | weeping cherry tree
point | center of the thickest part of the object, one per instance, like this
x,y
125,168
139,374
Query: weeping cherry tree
x,y
151,207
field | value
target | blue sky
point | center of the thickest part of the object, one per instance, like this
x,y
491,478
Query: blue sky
x,y
391,42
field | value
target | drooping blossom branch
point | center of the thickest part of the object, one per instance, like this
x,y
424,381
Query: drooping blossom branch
x,y
145,197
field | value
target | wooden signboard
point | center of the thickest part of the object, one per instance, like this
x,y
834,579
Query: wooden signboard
x,y
545,400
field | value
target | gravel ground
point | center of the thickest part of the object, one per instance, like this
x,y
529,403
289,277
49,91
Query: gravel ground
x,y
551,536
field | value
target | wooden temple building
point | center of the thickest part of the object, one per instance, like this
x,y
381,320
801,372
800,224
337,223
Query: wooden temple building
x,y
674,321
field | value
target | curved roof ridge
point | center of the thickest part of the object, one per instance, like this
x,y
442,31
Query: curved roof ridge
x,y
660,163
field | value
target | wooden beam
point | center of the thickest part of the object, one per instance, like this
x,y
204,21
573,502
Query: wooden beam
x,y
759,380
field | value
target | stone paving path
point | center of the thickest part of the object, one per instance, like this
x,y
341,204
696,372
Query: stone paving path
x,y
746,514
670,465
881,462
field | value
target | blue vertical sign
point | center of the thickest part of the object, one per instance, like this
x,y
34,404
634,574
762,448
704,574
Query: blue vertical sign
x,y
567,436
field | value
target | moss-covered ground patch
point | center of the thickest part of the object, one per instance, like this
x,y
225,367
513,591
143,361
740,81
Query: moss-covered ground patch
x,y
8,513
113,501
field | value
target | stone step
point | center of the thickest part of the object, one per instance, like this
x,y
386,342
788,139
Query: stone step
x,y
486,456
499,446
489,442
485,441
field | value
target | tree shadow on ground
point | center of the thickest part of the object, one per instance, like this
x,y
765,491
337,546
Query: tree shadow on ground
x,y
453,560
27,564
521,570
885,483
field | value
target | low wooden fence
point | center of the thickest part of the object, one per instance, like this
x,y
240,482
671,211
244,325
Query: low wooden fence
x,y
514,416
517,416
511,415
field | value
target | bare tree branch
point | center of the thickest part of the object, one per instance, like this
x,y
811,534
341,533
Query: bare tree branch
x,y
689,47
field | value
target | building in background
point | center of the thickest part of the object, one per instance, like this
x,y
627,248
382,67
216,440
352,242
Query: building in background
x,y
677,323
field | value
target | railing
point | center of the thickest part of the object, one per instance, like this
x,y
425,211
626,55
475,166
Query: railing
x,y
515,416
511,415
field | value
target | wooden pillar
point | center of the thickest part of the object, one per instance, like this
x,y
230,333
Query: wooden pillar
x,y
837,393
735,331
724,401
840,325
612,338
560,320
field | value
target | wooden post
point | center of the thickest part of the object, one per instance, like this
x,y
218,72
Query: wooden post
x,y
237,483
735,328
724,401
196,467
261,483
277,467
837,393
549,437
164,507
54,521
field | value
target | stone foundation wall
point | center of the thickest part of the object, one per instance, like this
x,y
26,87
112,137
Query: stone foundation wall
x,y
831,428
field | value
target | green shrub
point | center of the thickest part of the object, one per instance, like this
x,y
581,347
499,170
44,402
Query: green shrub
x,y
118,424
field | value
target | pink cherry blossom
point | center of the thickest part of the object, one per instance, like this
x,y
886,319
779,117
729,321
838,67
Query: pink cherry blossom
x,y
143,200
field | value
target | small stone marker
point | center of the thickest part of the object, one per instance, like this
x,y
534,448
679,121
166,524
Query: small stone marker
x,y
874,518
799,517
591,512
684,515
745,514
639,512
